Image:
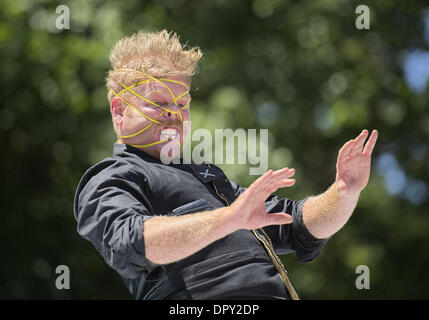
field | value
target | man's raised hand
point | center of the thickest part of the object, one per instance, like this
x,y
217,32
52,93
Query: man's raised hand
x,y
354,164
249,208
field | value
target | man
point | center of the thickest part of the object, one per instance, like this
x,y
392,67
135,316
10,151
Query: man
x,y
184,231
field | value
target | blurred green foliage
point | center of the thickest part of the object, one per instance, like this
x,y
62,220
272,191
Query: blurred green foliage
x,y
299,68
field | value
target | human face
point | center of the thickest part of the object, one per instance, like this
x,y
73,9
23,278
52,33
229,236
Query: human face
x,y
154,114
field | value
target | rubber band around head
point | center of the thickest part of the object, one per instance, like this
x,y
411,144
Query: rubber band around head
x,y
129,89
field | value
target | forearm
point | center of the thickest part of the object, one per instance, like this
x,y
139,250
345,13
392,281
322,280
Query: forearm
x,y
327,213
171,238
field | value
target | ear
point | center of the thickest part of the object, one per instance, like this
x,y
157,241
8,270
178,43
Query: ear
x,y
117,109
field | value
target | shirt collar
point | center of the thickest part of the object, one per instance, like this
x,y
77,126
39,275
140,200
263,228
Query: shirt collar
x,y
204,172
121,148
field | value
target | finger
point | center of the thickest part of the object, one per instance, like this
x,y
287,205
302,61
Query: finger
x,y
371,143
273,180
280,171
262,179
268,190
278,218
283,173
281,178
280,184
345,150
276,177
291,172
286,183
259,188
358,142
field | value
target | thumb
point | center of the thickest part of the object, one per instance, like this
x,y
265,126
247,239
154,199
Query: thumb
x,y
278,218
341,187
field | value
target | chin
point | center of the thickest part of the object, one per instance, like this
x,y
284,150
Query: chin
x,y
168,151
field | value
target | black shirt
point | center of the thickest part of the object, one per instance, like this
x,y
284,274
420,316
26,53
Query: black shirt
x,y
116,196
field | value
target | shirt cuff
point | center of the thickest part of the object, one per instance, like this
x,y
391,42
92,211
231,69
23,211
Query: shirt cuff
x,y
300,221
307,246
138,245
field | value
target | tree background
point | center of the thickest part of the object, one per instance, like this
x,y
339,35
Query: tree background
x,y
299,68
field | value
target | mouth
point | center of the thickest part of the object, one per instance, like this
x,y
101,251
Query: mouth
x,y
169,134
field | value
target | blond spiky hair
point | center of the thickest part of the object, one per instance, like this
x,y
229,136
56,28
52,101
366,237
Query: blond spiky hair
x,y
158,54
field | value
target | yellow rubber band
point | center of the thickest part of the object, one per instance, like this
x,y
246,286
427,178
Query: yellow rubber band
x,y
160,81
149,76
149,144
138,132
151,102
132,86
137,110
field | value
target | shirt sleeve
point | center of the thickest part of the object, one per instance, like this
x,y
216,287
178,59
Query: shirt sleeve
x,y
293,237
110,211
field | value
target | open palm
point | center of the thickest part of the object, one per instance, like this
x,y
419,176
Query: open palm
x,y
354,163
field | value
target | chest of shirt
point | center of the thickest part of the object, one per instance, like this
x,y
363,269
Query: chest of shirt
x,y
183,189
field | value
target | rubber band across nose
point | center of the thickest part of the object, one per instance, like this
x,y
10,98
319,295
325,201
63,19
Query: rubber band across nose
x,y
129,89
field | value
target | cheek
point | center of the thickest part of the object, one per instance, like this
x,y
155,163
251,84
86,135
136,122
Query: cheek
x,y
134,120
132,124
153,113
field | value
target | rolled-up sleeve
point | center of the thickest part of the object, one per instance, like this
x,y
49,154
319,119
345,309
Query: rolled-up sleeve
x,y
110,212
293,237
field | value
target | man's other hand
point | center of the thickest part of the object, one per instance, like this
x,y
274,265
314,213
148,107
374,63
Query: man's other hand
x,y
248,211
354,164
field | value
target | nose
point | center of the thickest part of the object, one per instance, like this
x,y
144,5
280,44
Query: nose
x,y
174,114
